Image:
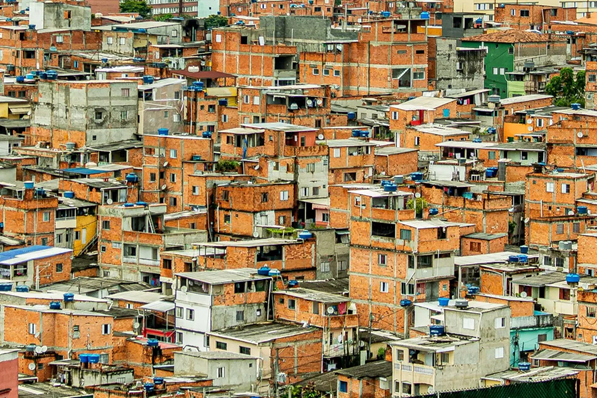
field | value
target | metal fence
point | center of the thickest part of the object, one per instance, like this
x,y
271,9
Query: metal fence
x,y
563,388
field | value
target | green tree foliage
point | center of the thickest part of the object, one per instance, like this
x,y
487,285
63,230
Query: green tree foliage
x,y
163,17
215,21
136,6
418,204
566,88
226,165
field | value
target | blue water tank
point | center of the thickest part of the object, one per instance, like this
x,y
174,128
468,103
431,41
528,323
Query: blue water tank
x,y
263,271
416,176
6,287
305,235
29,77
513,259
524,249
149,386
385,182
137,59
293,283
424,15
196,158
443,301
582,210
22,289
390,188
30,347
472,290
467,195
132,178
572,278
523,258
144,204
94,358
43,75
20,79
524,366
437,330
206,134
84,358
32,27
158,380
274,272
129,204
433,211
356,133
69,297
477,140
351,115
364,133
69,194
385,14
29,184
405,303
575,106
153,343
162,131
491,130
223,102
198,85
147,79
55,305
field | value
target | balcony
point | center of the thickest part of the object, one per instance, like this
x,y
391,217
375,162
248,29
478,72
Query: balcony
x,y
414,374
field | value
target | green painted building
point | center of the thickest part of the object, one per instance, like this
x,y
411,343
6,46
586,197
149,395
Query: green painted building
x,y
498,62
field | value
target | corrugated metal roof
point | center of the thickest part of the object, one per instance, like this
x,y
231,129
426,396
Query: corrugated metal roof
x,y
554,355
30,253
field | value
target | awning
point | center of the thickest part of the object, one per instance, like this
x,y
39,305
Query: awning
x,y
435,278
160,306
19,109
323,203
553,355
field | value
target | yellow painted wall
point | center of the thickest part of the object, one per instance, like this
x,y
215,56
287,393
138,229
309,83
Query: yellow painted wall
x,y
4,111
511,129
89,223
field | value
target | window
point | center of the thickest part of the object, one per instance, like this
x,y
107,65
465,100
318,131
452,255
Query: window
x,y
593,78
110,40
315,71
124,115
513,12
549,187
343,386
46,216
342,265
406,388
559,228
284,195
496,71
336,73
106,328
179,312
500,323
240,316
125,92
174,33
384,287
316,308
172,177
576,227
499,352
220,373
418,74
226,218
190,314
475,246
291,304
221,346
565,294
565,188
541,337
326,72
407,289
173,154
282,220
59,267
417,141
173,201
179,337
77,235
224,118
99,115
105,224
195,190
32,328
591,312
405,234
244,350
539,122
468,323
264,197
524,13
382,259
324,267
337,152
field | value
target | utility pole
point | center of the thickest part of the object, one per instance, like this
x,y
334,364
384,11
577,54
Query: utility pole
x,y
370,324
276,371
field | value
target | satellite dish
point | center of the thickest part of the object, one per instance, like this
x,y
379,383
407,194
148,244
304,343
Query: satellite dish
x,y
31,366
309,103
165,164
44,349
256,167
38,350
255,234
526,220
417,195
330,310
319,102
530,121
164,187
523,294
530,128
430,390
579,134
320,137
109,201
136,325
184,289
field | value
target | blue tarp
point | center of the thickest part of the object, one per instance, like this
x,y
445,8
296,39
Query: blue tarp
x,y
82,170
